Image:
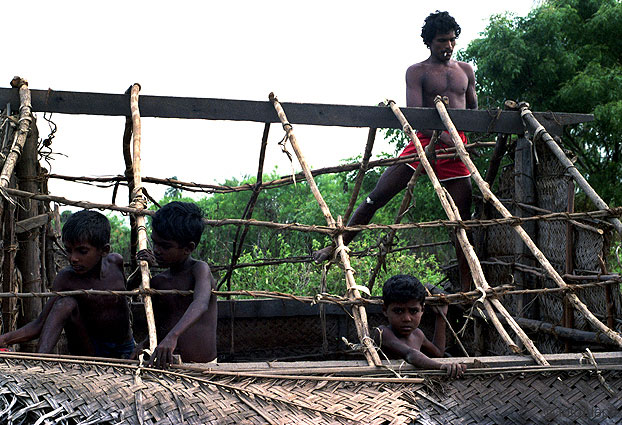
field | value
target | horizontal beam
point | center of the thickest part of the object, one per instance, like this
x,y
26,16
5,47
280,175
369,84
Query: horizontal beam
x,y
482,121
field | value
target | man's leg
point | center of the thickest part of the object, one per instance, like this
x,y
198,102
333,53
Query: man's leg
x,y
391,182
460,190
65,314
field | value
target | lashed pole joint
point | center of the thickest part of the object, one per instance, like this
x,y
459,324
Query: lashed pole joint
x,y
490,197
467,248
138,202
359,312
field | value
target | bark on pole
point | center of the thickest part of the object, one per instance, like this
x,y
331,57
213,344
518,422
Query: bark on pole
x,y
476,269
140,203
25,120
490,197
538,131
360,314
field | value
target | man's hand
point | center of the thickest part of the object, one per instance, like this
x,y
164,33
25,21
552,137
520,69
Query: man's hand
x,y
162,356
441,310
454,370
147,255
3,343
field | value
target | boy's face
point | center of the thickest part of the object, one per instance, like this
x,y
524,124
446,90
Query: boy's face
x,y
83,256
404,318
168,252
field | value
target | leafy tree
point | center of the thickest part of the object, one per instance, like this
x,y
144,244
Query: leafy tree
x,y
564,56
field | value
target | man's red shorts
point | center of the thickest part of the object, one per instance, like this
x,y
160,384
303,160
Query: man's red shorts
x,y
445,169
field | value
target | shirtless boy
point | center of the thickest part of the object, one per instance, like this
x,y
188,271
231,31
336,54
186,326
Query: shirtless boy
x,y
437,75
403,297
94,324
185,325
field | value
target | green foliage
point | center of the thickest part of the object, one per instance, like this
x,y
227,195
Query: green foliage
x,y
119,236
564,56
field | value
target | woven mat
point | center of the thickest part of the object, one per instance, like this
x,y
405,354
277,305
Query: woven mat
x,y
543,398
36,391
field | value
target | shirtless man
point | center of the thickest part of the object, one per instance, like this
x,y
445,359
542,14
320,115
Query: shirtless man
x,y
94,324
439,74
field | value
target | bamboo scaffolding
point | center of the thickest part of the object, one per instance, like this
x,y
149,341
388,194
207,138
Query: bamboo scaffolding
x,y
238,241
24,123
559,216
139,203
369,145
386,242
360,315
490,197
471,257
283,181
538,131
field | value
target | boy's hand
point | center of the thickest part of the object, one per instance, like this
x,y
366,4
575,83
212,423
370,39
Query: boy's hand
x,y
162,356
454,370
147,255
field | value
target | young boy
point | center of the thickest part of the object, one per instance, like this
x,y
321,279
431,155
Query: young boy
x,y
403,297
185,325
94,324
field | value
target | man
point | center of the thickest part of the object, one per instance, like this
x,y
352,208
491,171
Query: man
x,y
440,75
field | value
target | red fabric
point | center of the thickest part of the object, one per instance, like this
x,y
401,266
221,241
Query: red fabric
x,y
445,169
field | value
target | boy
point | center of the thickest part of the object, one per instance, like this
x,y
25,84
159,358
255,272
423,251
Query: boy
x,y
94,324
403,297
185,325
439,74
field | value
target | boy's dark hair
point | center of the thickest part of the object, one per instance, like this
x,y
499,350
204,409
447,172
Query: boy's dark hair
x,y
438,23
402,288
180,222
87,226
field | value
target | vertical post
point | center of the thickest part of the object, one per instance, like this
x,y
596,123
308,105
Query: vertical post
x,y
568,312
140,203
29,259
524,192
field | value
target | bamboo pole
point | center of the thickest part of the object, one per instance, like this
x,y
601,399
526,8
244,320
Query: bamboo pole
x,y
140,203
371,137
467,248
360,315
25,120
538,131
240,235
490,197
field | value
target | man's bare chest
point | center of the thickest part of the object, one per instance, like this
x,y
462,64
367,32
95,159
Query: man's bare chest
x,y
444,81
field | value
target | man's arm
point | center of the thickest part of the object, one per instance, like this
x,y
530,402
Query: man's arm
x,y
471,95
436,348
204,281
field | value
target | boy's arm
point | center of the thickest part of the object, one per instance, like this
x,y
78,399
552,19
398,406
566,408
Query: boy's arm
x,y
392,344
32,330
29,331
204,281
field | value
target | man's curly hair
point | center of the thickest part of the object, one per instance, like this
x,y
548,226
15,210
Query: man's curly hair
x,y
438,23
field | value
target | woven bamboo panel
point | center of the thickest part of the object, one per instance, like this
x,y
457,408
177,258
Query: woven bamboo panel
x,y
551,398
80,394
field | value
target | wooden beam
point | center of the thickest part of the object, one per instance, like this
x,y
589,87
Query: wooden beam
x,y
482,121
31,223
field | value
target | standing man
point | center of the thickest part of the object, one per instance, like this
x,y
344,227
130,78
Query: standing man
x,y
440,75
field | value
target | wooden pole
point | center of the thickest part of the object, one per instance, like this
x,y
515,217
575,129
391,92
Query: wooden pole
x,y
568,312
25,120
140,203
371,137
360,314
490,197
467,248
538,131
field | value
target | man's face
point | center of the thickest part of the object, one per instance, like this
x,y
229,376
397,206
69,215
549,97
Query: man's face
x,y
404,318
83,256
168,252
442,46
